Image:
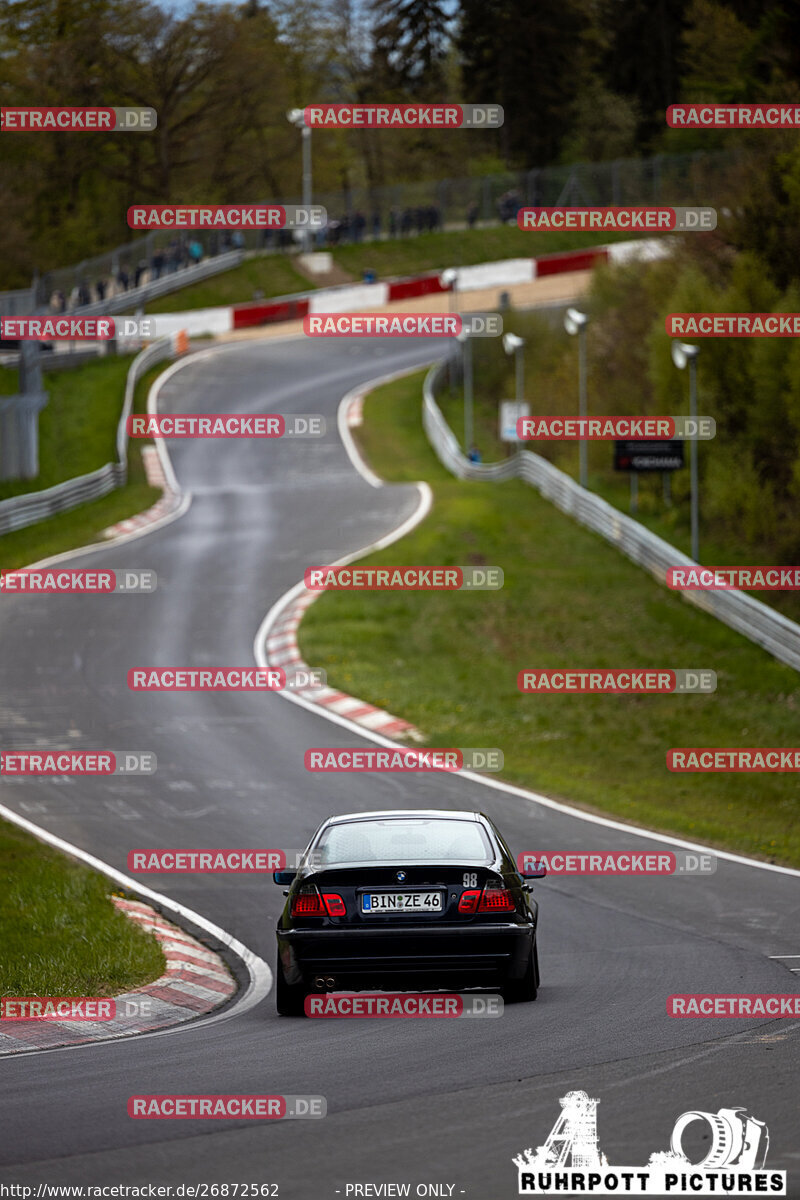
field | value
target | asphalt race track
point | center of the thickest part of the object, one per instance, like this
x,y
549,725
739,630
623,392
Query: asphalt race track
x,y
445,1102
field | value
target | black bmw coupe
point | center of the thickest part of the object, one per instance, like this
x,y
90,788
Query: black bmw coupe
x,y
406,899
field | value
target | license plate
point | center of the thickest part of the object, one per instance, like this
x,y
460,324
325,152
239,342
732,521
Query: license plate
x,y
385,902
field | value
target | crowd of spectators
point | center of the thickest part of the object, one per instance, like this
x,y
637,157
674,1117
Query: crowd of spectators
x,y
191,249
355,227
176,255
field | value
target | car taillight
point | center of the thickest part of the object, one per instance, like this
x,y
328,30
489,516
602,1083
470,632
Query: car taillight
x,y
334,904
307,903
496,899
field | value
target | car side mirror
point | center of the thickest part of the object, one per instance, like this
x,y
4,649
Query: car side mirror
x,y
284,877
536,870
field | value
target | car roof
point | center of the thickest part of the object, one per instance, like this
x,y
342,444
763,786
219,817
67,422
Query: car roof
x,y
388,814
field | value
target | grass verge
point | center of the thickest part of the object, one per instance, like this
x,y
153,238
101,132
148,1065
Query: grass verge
x,y
461,248
668,518
83,525
275,275
61,934
78,425
272,275
449,663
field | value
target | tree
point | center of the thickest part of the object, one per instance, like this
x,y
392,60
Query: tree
x,y
642,62
522,56
410,39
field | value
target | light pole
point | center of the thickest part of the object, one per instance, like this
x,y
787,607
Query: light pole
x,y
449,279
683,353
513,345
576,321
296,116
466,347
516,345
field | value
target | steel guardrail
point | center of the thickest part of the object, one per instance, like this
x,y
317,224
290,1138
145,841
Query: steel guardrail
x,y
756,621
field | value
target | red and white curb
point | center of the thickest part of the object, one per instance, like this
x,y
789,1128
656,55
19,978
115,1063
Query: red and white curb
x,y
196,981
268,624
278,636
354,297
169,502
282,651
355,410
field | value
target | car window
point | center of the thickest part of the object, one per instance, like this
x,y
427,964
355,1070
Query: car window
x,y
390,841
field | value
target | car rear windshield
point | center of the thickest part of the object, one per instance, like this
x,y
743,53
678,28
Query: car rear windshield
x,y
401,841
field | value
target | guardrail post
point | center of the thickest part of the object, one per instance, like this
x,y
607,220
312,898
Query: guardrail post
x,y
9,456
486,199
532,186
19,435
19,418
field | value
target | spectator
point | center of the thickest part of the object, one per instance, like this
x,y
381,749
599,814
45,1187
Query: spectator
x,y
407,223
375,221
100,288
141,268
195,251
394,221
58,301
474,454
237,240
472,214
359,225
123,279
157,264
84,295
172,256
509,205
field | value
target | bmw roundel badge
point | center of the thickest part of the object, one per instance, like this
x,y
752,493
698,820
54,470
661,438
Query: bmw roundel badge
x,y
401,876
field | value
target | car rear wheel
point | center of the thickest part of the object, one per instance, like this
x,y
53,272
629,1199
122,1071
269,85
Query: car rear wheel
x,y
521,990
289,997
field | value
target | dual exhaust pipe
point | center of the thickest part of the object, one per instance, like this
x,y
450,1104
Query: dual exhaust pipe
x,y
324,983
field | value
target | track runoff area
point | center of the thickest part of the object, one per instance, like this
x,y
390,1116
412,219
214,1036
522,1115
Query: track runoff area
x,y
681,1058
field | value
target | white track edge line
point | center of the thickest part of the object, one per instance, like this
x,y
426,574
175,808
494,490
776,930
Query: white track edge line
x,y
119,539
496,784
260,974
344,429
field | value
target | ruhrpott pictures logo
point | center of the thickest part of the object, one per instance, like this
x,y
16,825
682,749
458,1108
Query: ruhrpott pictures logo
x,y
570,1162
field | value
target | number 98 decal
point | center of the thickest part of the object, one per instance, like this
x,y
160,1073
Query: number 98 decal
x,y
470,879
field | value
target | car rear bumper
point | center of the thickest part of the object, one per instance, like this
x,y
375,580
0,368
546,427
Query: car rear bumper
x,y
472,956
